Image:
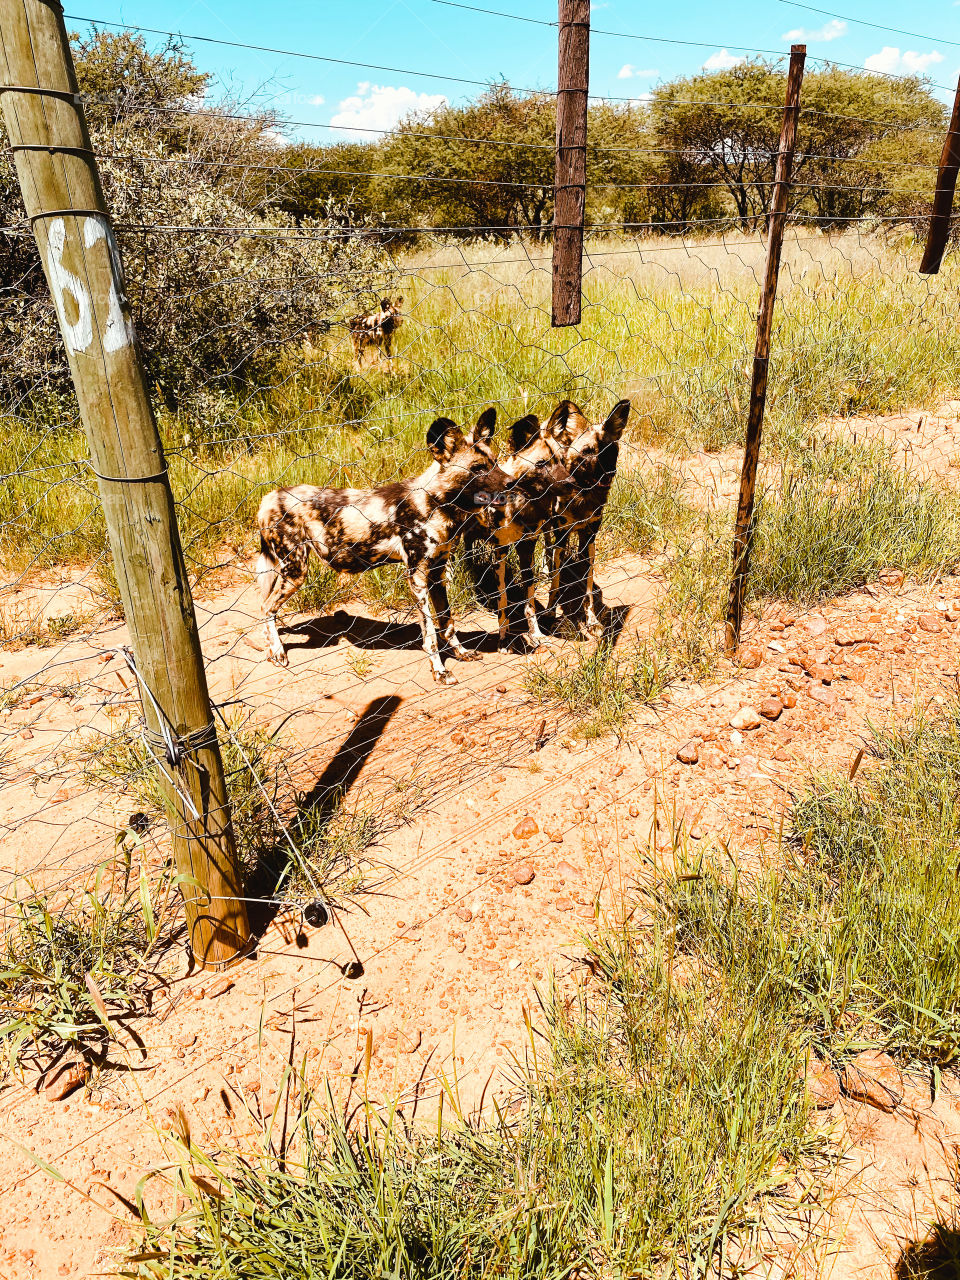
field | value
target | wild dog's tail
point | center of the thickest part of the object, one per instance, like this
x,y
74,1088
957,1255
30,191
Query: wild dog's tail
x,y
268,567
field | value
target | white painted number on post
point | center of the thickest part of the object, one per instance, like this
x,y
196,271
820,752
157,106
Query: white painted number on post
x,y
78,334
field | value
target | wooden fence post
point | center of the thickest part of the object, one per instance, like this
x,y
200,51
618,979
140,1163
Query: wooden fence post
x,y
938,232
570,173
743,532
61,189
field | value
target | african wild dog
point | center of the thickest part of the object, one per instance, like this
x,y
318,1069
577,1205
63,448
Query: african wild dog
x,y
373,331
539,483
415,522
590,455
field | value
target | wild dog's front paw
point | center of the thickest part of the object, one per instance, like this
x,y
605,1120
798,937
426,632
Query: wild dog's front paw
x,y
467,655
444,677
280,657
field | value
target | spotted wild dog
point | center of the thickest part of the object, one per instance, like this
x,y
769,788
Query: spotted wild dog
x,y
414,522
539,482
373,331
590,455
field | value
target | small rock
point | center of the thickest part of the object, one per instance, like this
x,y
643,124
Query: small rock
x,y
525,828
819,671
481,870
524,873
26,733
891,577
563,904
501,688
254,643
33,700
187,1039
788,698
633,811
554,834
736,737
771,708
823,1084
579,801
566,869
689,753
71,1075
819,693
749,657
746,718
464,914
816,624
928,622
852,635
776,647
873,1077
219,988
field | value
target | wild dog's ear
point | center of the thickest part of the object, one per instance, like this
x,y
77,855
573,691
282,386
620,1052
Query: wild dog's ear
x,y
617,420
443,437
482,433
565,423
384,304
523,431
398,303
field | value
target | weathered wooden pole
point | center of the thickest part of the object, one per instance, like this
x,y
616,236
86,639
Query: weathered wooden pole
x,y
570,172
61,189
743,532
938,232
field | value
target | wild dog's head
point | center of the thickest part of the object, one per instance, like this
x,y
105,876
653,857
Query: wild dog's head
x,y
390,311
537,458
590,450
467,477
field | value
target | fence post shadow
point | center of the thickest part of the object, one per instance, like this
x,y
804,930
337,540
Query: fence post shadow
x,y
321,801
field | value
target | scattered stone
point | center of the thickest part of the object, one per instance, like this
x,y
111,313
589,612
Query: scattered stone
x,y
790,666
736,737
464,914
254,643
776,647
873,1077
187,1039
633,811
71,1075
580,801
524,873
853,635
820,693
746,718
220,988
33,700
689,753
823,1084
525,828
481,870
554,834
26,733
819,671
566,869
789,699
501,688
816,624
563,904
928,622
891,577
771,708
749,657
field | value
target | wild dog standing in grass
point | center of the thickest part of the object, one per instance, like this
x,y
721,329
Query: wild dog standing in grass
x,y
539,482
415,522
373,331
590,454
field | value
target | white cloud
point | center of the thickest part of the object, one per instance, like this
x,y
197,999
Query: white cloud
x,y
893,62
629,72
376,106
831,30
722,61
316,101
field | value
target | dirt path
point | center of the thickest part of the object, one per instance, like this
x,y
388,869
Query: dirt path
x,y
466,912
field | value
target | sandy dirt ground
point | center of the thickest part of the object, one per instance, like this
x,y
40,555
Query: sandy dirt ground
x,y
468,908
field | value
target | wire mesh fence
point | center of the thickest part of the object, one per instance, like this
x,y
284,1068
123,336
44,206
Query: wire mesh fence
x,y
366,383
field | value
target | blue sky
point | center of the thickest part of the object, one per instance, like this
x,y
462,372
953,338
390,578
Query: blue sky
x,y
423,35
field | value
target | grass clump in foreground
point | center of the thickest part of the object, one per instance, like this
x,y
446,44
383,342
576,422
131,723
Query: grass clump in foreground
x,y
663,1114
599,687
69,969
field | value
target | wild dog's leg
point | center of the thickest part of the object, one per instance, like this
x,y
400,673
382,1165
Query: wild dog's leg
x,y
281,572
559,540
526,550
592,601
503,617
441,607
419,576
